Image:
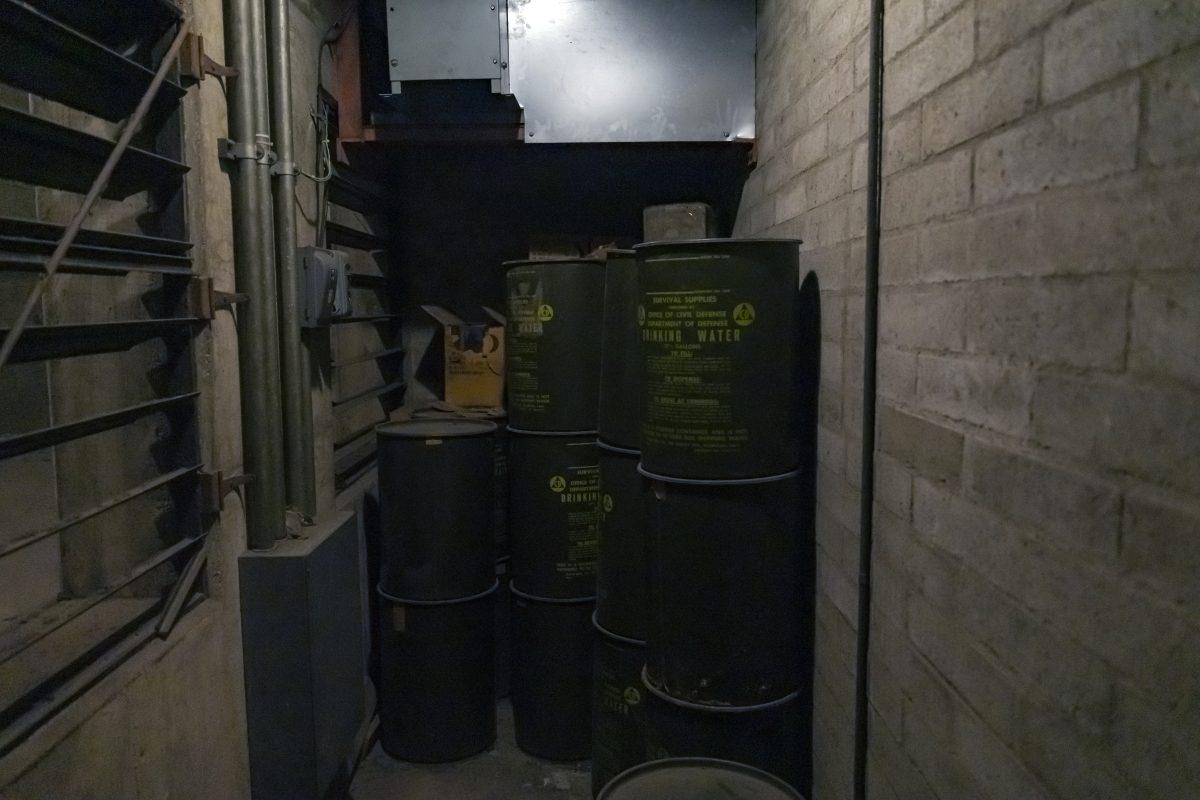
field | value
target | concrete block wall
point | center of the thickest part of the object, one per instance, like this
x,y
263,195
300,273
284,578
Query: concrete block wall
x,y
1036,621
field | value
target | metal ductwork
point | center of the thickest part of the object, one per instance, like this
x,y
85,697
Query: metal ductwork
x,y
586,72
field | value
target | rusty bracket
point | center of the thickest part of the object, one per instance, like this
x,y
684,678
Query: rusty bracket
x,y
204,301
215,487
195,65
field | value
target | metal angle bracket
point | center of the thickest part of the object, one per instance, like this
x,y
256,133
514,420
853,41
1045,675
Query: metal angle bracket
x,y
204,301
215,486
194,63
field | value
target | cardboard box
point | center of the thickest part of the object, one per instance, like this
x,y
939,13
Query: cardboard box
x,y
678,221
457,360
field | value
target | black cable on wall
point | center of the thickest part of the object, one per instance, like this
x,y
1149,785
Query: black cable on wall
x,y
870,354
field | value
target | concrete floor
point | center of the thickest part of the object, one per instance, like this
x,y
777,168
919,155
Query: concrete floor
x,y
502,773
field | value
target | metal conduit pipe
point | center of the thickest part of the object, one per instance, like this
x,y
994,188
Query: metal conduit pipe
x,y
297,405
862,698
270,306
257,330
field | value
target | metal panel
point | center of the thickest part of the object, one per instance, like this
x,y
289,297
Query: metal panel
x,y
19,444
98,57
355,191
57,62
19,639
44,153
25,540
302,636
362,359
130,25
350,237
433,40
49,234
633,70
27,244
374,391
41,342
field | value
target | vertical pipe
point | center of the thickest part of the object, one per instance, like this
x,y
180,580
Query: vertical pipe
x,y
870,342
297,405
273,421
257,338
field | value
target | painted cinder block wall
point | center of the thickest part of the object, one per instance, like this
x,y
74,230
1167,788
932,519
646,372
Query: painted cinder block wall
x,y
1036,621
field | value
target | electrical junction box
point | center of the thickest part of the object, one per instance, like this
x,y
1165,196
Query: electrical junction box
x,y
325,294
448,40
304,656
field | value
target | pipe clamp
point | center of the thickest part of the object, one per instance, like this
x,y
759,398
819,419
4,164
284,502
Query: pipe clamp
x,y
260,152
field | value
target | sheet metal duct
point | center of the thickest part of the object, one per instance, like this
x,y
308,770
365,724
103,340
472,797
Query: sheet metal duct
x,y
592,70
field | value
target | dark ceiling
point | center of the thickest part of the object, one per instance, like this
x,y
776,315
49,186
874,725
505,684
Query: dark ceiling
x,y
457,211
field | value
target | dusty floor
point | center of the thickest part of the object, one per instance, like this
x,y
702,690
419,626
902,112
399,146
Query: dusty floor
x,y
503,773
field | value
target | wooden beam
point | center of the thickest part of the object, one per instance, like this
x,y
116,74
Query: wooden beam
x,y
347,73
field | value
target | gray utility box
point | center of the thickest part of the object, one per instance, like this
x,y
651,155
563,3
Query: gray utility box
x,y
442,40
326,286
678,221
304,659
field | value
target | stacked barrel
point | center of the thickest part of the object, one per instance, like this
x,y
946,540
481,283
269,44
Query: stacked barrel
x,y
719,323
503,566
500,525
437,588
553,353
697,779
618,726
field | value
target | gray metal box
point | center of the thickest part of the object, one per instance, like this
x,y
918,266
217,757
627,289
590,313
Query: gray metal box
x,y
303,645
326,286
678,221
441,40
